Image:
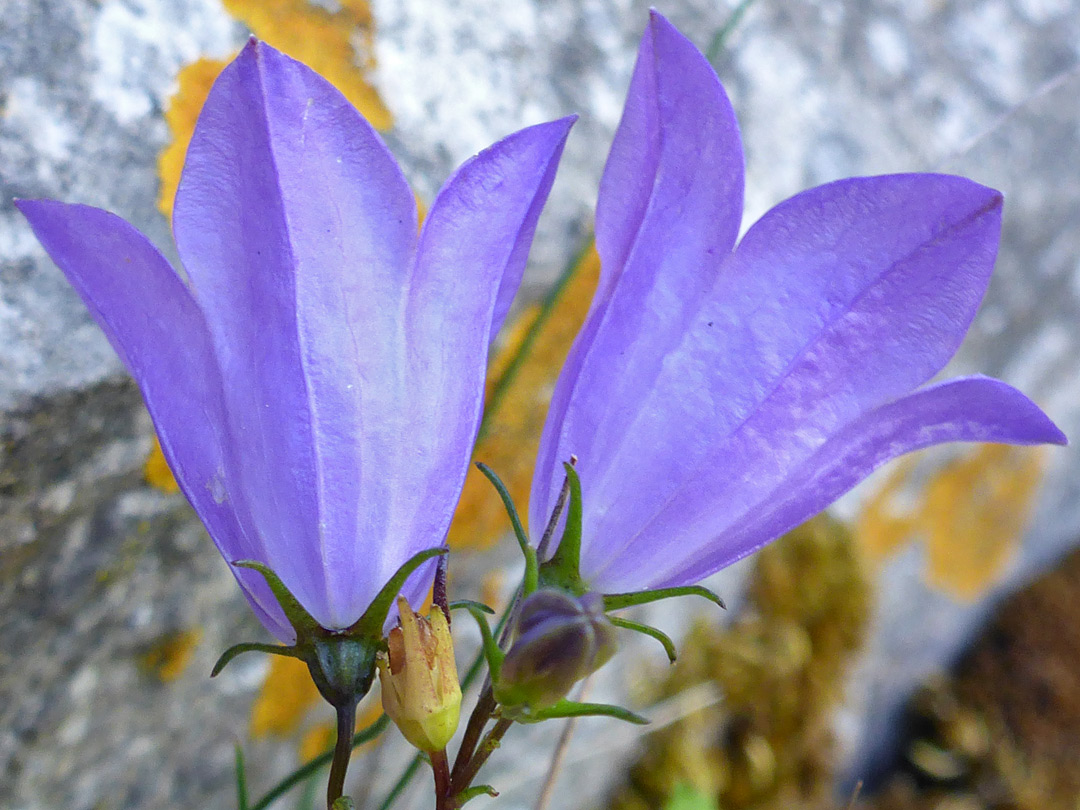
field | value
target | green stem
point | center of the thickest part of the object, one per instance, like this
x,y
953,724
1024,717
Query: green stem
x,y
241,780
346,722
485,705
476,762
309,769
717,44
502,385
441,769
531,575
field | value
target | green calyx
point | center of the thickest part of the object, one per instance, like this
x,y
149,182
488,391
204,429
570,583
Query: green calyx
x,y
569,708
563,570
341,662
526,691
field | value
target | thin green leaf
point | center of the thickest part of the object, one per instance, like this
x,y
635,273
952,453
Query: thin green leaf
x,y
645,629
721,36
531,575
403,781
312,767
615,601
241,780
502,385
310,793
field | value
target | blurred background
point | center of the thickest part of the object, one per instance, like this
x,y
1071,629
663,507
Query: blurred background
x,y
922,641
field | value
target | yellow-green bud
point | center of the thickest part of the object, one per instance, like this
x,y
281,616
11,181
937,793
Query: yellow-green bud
x,y
420,689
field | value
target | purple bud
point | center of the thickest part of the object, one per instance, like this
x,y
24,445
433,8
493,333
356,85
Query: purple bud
x,y
560,640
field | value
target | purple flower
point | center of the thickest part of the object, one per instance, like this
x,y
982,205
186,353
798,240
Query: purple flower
x,y
718,396
316,376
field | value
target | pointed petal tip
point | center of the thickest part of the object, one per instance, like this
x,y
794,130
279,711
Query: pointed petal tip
x,y
25,206
558,129
251,48
984,199
662,29
1054,434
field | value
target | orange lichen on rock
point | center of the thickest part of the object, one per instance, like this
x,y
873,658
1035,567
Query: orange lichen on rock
x,y
194,83
337,44
971,514
284,699
520,382
156,471
170,655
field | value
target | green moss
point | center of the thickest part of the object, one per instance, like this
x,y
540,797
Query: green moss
x,y
780,667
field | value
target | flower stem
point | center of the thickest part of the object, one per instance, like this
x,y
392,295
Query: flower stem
x,y
346,722
476,762
485,705
441,768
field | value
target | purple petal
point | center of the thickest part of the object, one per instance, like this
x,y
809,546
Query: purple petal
x,y
972,409
155,326
471,251
509,183
669,212
839,300
298,230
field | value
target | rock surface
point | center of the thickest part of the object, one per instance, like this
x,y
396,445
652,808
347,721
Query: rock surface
x,y
97,569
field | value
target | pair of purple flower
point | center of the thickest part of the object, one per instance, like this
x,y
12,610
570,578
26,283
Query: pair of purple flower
x,y
316,372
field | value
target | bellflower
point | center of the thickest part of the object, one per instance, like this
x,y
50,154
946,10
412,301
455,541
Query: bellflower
x,y
316,373
718,396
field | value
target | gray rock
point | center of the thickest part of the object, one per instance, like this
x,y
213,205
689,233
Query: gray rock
x,y
96,568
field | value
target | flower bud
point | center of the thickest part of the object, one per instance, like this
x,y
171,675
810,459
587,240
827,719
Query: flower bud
x,y
560,640
420,689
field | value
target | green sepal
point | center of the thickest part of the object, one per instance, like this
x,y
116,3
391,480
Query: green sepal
x,y
343,803
614,601
305,626
370,625
468,604
563,570
570,708
492,653
471,793
531,566
645,629
252,646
